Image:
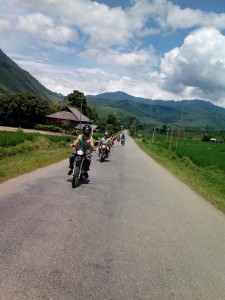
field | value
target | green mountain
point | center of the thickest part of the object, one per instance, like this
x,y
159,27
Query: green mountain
x,y
192,114
15,80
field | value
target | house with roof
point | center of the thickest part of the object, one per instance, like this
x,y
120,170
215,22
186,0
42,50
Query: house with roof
x,y
69,114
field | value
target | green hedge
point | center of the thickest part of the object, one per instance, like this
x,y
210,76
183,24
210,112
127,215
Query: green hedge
x,y
51,128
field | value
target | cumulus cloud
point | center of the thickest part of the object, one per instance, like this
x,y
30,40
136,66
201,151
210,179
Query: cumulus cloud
x,y
100,24
188,18
112,42
45,28
167,15
103,27
197,68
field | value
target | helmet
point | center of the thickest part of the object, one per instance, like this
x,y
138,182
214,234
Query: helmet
x,y
106,134
87,129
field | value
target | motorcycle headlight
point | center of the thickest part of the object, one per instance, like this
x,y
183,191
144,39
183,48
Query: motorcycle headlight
x,y
80,152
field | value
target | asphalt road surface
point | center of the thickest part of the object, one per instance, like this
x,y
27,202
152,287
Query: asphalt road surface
x,y
133,231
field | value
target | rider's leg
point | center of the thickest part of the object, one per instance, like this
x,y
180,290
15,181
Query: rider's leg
x,y
99,150
71,161
87,162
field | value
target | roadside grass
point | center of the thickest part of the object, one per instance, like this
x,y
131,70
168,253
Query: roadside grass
x,y
29,152
200,165
8,139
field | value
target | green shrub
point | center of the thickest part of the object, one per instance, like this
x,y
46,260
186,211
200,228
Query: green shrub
x,y
42,144
96,135
51,128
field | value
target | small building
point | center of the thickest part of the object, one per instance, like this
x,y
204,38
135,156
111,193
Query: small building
x,y
69,114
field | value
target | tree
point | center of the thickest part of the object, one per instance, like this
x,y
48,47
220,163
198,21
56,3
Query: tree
x,y
78,100
130,120
133,128
23,109
101,122
92,113
164,129
113,123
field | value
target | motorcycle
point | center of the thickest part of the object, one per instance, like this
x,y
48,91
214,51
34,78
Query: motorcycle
x,y
103,153
118,139
78,169
122,142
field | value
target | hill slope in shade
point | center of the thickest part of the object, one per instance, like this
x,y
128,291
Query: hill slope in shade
x,y
13,79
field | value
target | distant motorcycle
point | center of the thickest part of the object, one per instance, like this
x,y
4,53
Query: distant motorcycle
x,y
103,153
118,139
122,142
78,170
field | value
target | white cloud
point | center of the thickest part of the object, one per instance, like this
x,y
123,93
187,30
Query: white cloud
x,y
197,68
65,80
4,24
143,59
110,41
168,15
45,28
103,27
188,18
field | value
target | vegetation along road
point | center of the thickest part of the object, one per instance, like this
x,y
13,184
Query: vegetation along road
x,y
132,232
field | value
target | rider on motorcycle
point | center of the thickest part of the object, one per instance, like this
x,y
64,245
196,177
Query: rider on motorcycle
x,y
104,141
86,141
123,138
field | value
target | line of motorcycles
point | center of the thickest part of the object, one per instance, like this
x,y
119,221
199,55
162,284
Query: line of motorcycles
x,y
78,167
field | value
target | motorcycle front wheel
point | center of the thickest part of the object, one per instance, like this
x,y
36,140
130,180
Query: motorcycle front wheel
x,y
75,177
102,157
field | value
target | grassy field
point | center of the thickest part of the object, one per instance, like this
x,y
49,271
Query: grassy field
x,y
24,152
201,165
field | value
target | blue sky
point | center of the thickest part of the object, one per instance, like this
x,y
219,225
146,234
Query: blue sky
x,y
156,49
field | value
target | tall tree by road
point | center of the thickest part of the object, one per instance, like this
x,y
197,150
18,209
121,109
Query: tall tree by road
x,y
79,100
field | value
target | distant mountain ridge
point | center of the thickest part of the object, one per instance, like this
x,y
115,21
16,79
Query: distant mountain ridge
x,y
13,79
193,114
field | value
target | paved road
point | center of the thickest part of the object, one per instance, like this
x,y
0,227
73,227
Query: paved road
x,y
132,232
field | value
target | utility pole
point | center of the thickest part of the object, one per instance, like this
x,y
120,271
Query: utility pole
x,y
177,138
153,135
171,137
181,122
167,134
81,106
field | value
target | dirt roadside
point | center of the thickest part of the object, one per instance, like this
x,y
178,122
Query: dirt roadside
x,y
5,128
